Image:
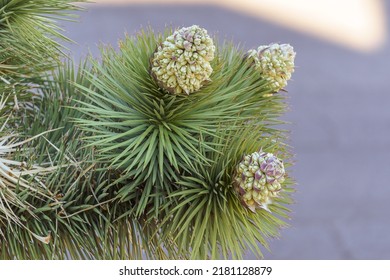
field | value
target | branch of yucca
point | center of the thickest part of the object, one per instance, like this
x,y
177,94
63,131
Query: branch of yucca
x,y
30,45
30,37
89,222
21,184
173,152
149,174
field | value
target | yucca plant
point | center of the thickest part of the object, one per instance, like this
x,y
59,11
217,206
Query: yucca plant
x,y
22,190
29,46
87,224
29,35
168,148
176,148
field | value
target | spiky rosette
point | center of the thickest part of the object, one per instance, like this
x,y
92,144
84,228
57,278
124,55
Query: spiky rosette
x,y
30,45
150,173
88,221
175,155
29,36
259,178
181,63
275,63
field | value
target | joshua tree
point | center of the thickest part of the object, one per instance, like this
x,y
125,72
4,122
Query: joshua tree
x,y
168,147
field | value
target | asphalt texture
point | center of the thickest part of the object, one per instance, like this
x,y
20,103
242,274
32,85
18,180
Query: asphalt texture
x,y
340,125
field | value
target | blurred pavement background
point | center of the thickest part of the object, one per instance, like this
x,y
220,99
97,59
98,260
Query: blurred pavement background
x,y
340,115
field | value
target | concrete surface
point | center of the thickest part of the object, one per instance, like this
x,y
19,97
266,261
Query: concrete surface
x,y
340,114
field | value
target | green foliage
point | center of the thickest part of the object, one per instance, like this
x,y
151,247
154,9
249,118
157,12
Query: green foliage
x,y
28,35
107,165
82,213
22,188
29,46
176,154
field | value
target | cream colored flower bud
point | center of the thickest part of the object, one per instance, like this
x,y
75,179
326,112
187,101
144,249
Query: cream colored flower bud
x,y
275,63
258,179
186,54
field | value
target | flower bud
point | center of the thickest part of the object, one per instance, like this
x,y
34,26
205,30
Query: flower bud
x,y
258,179
186,55
275,63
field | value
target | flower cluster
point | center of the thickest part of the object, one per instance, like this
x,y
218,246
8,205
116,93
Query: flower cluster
x,y
258,179
181,63
275,63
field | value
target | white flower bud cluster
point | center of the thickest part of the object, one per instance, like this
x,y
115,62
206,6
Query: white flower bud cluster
x,y
275,63
258,179
181,63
